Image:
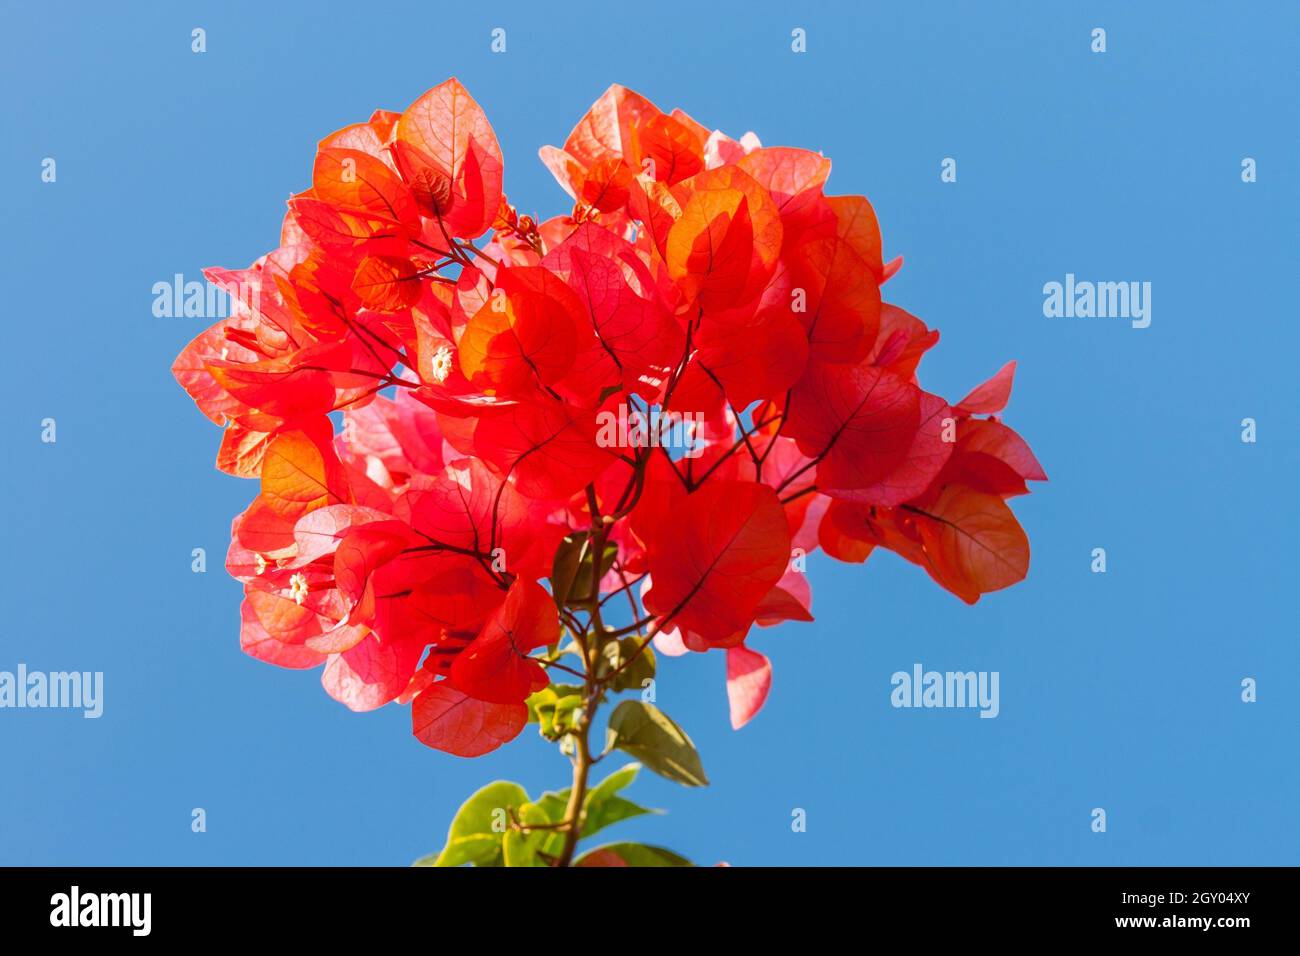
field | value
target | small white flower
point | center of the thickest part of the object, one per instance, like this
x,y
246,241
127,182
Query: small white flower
x,y
440,367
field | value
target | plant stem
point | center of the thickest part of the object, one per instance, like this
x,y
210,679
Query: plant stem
x,y
592,652
573,813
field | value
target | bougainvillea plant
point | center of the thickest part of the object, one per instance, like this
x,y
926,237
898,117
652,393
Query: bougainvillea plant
x,y
500,458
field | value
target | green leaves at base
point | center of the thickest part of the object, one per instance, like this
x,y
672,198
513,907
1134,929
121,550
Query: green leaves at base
x,y
647,733
537,847
480,824
604,807
494,826
500,825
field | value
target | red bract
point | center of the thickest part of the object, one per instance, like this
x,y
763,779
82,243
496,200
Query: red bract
x,y
675,391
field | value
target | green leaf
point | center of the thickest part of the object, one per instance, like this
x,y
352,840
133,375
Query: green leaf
x,y
604,806
554,802
480,849
564,569
553,709
520,849
580,592
539,847
620,779
478,828
617,653
631,854
612,811
647,733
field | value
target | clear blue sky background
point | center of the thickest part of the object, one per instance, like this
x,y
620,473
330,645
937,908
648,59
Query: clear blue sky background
x,y
1119,690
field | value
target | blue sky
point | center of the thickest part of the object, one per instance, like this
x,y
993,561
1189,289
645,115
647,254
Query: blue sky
x,y
1119,690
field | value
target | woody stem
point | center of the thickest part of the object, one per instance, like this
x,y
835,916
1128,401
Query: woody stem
x,y
573,812
591,652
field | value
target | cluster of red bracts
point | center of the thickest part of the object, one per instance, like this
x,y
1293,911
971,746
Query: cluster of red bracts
x,y
697,274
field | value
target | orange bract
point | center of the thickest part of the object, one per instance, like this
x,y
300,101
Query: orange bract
x,y
694,368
